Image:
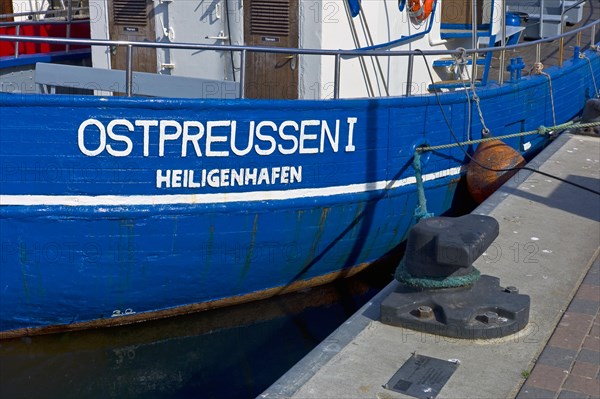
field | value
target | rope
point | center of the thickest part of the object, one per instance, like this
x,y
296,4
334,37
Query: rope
x,y
421,210
403,276
461,64
538,69
583,56
461,58
485,131
540,130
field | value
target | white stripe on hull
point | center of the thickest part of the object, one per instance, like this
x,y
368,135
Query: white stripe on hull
x,y
217,198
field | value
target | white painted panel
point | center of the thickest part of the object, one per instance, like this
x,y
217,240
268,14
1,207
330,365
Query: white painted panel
x,y
195,21
99,31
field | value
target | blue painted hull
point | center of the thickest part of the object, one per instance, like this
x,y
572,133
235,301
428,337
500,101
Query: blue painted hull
x,y
148,205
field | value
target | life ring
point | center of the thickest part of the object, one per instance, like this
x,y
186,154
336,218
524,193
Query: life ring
x,y
420,9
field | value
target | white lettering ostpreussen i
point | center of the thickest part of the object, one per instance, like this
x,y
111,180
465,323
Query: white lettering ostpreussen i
x,y
218,138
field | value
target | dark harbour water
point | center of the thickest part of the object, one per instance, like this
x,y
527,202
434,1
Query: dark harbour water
x,y
235,352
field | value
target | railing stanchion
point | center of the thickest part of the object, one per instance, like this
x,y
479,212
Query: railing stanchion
x,y
18,33
339,54
561,49
69,20
243,74
562,24
502,63
409,75
474,41
503,44
561,45
336,77
541,25
129,71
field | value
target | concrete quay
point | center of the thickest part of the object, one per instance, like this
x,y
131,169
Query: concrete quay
x,y
548,248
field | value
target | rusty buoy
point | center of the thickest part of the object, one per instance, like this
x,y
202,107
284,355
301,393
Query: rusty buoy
x,y
493,154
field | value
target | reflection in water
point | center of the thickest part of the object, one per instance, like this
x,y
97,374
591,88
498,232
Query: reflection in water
x,y
235,352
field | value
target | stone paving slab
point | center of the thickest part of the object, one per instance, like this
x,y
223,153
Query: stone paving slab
x,y
549,238
569,366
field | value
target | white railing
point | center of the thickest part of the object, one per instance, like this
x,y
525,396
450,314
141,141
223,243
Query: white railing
x,y
339,55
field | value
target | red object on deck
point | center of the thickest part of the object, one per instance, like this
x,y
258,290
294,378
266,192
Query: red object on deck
x,y
78,31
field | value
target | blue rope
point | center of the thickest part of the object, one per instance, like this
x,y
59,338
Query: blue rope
x,y
421,210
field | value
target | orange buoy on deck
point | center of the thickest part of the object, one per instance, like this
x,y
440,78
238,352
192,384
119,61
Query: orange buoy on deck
x,y
495,155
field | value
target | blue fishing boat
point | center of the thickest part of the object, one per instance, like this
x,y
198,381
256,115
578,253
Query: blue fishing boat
x,y
223,153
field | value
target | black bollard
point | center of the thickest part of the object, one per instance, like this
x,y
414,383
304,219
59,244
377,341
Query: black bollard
x,y
591,113
440,291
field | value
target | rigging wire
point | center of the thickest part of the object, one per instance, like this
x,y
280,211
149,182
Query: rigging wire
x,y
518,168
370,42
229,35
361,60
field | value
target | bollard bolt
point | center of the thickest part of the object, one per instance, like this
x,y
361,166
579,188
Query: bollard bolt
x,y
490,317
424,312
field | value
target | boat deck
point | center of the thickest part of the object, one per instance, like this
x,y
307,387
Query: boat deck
x,y
550,55
549,240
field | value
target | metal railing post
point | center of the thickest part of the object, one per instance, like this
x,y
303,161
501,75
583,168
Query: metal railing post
x,y
474,40
561,46
503,44
129,71
541,27
18,32
409,75
336,77
243,74
561,50
339,54
69,20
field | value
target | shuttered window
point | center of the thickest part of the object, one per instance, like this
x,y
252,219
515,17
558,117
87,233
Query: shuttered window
x,y
270,17
130,12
